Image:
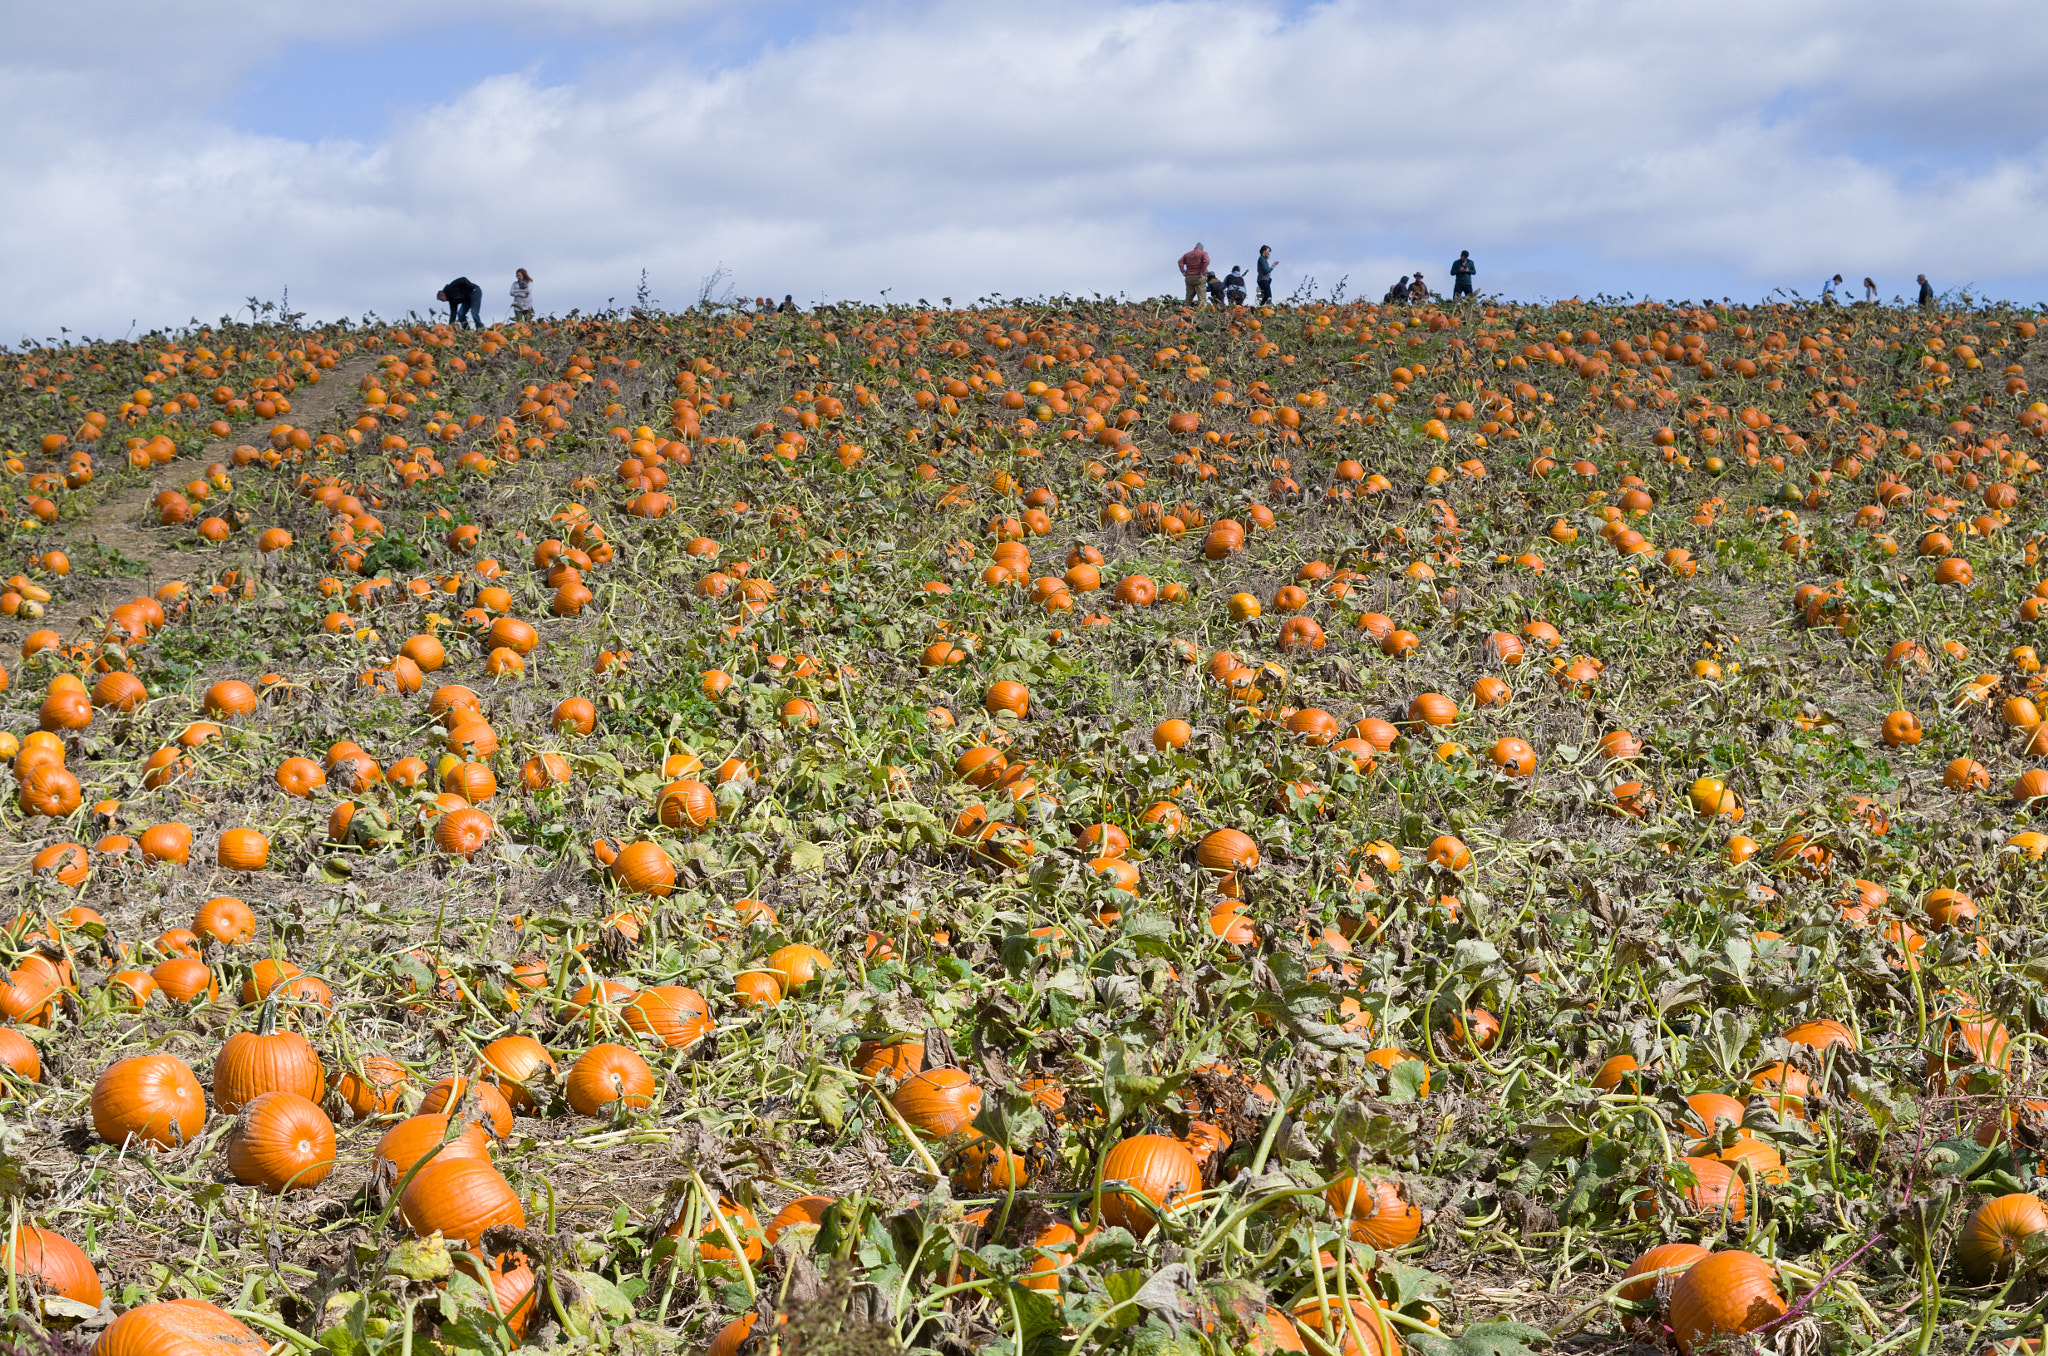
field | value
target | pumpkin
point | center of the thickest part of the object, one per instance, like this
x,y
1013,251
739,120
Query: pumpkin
x,y
1653,1287
643,868
686,804
940,1102
1161,1170
1820,1034
798,965
372,1088
184,978
19,1054
802,1210
413,1138
1377,1212
482,1103
459,1197
522,1068
281,1142
1728,1293
712,1244
1008,696
463,832
180,1327
1995,1234
1364,1331
1226,850
55,1264
251,1063
605,1074
150,1099
243,850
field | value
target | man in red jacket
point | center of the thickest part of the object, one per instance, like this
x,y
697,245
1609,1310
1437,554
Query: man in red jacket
x,y
1194,270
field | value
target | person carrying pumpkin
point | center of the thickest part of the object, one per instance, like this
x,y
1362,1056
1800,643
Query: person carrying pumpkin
x,y
1194,271
465,303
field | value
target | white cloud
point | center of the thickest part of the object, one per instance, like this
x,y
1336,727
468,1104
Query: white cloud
x,y
964,149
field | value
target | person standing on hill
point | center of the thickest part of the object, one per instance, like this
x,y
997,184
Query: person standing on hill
x,y
1461,275
465,303
1194,271
1265,275
1870,291
1926,293
522,295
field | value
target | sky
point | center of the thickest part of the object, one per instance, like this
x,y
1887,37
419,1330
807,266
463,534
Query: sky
x,y
168,163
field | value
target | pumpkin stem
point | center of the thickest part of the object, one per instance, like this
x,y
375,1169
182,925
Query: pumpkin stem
x,y
266,1021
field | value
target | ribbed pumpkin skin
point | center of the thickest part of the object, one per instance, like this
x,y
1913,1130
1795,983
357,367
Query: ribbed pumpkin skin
x,y
941,1102
687,804
1994,1233
56,1264
281,1142
643,868
153,1097
519,1062
251,1064
459,1197
1379,1216
1226,850
183,1327
1160,1167
483,1104
1656,1259
1729,1292
405,1143
608,1073
374,1089
1820,1034
676,1016
1327,1319
19,1053
1718,1190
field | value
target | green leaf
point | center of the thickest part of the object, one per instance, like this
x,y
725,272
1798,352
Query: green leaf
x,y
1405,1080
830,1095
804,857
1494,1337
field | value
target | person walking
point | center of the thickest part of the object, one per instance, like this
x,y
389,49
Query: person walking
x,y
465,303
1827,290
1461,275
1265,275
1870,292
1926,294
1233,285
1194,271
522,295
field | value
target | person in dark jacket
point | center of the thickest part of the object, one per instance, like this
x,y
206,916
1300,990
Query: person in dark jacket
x,y
1926,293
1233,285
465,303
1397,295
1215,289
1461,275
1265,275
788,306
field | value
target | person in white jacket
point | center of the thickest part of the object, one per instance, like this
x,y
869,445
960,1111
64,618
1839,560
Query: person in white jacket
x,y
522,295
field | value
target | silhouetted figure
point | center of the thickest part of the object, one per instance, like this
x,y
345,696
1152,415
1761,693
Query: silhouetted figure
x,y
1461,275
1397,295
1926,293
465,303
1265,275
1215,289
788,306
1194,269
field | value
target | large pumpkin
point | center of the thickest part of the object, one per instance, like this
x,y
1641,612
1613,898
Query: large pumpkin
x,y
1728,1293
55,1263
941,1102
281,1142
152,1099
181,1327
1995,1234
459,1197
1159,1169
1379,1215
252,1063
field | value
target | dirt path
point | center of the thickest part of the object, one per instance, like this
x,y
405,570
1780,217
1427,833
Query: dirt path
x,y
122,522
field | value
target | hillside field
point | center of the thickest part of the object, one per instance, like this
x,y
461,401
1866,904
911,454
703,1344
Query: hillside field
x,y
1060,827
